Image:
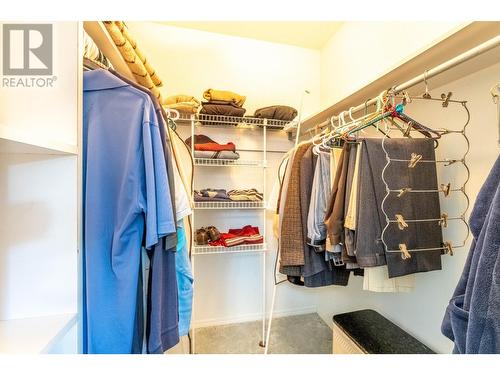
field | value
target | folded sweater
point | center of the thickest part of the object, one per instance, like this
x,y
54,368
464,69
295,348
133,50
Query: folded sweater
x,y
182,103
226,109
206,148
204,143
246,235
174,99
245,195
221,155
211,195
227,96
277,112
212,146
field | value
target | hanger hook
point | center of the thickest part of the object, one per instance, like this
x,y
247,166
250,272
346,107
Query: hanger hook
x,y
426,95
342,116
350,114
392,94
175,112
380,100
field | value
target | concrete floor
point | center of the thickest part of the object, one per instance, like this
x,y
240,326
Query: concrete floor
x,y
299,334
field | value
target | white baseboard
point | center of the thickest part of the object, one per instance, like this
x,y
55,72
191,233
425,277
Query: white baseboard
x,y
252,317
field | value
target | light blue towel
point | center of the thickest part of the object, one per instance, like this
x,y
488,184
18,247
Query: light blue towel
x,y
184,281
472,319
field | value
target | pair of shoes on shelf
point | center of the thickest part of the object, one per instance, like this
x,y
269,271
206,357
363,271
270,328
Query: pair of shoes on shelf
x,y
247,235
205,235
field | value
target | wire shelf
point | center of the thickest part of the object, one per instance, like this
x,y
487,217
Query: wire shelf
x,y
234,205
201,250
228,162
240,122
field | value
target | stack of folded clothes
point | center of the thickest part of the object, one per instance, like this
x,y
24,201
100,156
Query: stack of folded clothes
x,y
206,148
211,195
222,103
182,103
247,235
276,112
245,195
221,195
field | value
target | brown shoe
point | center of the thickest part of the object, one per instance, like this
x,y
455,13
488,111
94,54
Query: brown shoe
x,y
202,237
213,233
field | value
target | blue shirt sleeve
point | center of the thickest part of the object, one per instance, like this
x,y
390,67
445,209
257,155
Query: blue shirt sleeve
x,y
157,206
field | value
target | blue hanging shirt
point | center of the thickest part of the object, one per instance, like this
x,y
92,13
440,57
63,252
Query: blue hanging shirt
x,y
126,202
184,280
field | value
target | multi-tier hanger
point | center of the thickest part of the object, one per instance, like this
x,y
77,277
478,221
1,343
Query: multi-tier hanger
x,y
446,189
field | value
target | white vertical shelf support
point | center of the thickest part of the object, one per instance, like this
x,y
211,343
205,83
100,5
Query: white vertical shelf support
x,y
192,255
264,254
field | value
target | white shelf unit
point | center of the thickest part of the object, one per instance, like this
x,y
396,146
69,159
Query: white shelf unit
x,y
257,248
39,205
229,163
15,140
201,119
236,205
249,124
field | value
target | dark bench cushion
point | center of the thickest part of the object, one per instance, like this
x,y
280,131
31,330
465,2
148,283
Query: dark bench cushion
x,y
377,335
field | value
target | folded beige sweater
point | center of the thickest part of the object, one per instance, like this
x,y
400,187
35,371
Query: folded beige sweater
x,y
182,103
226,96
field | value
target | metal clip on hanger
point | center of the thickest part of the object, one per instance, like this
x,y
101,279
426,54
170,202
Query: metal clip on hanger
x,y
496,99
448,248
446,98
443,222
402,224
444,188
405,254
415,158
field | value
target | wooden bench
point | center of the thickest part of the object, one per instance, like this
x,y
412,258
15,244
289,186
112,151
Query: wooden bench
x,y
368,332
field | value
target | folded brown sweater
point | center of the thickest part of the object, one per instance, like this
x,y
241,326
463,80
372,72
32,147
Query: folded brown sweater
x,y
277,112
226,109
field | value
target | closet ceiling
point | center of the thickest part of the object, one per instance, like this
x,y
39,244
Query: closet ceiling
x,y
303,34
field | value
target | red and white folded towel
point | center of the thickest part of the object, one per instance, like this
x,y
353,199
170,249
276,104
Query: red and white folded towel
x,y
204,143
247,235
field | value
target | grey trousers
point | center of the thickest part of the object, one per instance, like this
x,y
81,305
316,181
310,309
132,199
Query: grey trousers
x,y
371,220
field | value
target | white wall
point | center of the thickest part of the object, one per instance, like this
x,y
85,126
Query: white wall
x,y
421,311
37,241
228,287
360,52
191,61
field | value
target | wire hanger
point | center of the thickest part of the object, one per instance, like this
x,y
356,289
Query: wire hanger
x,y
92,64
171,111
426,94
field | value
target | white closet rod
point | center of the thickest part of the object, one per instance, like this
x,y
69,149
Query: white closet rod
x,y
457,60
